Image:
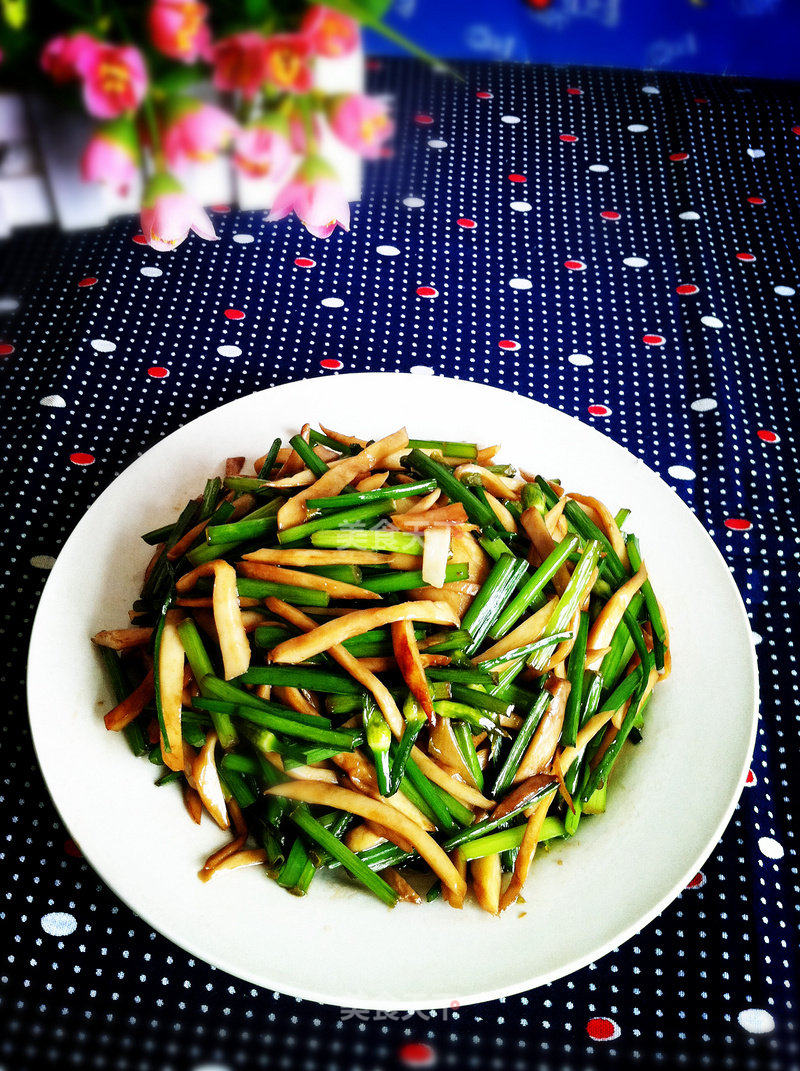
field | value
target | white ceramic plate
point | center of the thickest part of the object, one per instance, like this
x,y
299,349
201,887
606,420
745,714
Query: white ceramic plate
x,y
672,796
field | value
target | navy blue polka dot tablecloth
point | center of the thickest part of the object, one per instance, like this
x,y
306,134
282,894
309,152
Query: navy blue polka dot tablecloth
x,y
622,246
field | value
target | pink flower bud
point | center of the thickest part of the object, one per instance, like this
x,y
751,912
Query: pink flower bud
x,y
169,213
197,131
111,156
363,124
317,199
178,29
329,32
262,151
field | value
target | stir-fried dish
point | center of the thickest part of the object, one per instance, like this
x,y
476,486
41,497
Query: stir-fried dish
x,y
396,659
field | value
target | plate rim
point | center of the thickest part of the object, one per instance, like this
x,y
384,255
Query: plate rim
x,y
310,993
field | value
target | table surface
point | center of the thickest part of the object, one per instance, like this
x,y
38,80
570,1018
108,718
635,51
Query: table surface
x,y
622,246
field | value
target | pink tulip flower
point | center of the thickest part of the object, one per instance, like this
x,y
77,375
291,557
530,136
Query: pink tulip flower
x,y
112,156
262,151
289,62
63,58
363,124
179,29
169,213
197,131
329,32
114,80
240,63
315,196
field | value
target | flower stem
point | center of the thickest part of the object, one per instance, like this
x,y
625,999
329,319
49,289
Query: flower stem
x,y
149,112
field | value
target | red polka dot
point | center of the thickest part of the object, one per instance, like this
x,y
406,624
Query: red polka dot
x,y
6,349
575,265
698,881
738,524
483,94
599,410
567,137
158,372
514,177
423,120
71,848
602,1029
687,288
676,157
79,458
140,239
653,340
90,280
701,100
574,91
234,314
417,1054
756,200
468,224
331,362
305,262
796,130
374,65
750,780
745,256
767,436
508,344
427,291
220,208
609,214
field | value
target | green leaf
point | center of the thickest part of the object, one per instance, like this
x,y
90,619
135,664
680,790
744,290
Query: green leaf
x,y
180,78
371,12
257,10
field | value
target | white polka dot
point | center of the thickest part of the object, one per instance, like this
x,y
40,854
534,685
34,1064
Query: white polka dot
x,y
769,846
635,262
54,401
784,291
651,90
413,202
332,302
711,321
8,304
421,370
510,119
151,273
521,206
59,923
704,405
387,250
437,143
229,351
581,360
520,284
243,239
756,154
757,638
681,472
689,215
598,167
43,561
756,1021
637,128
103,345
